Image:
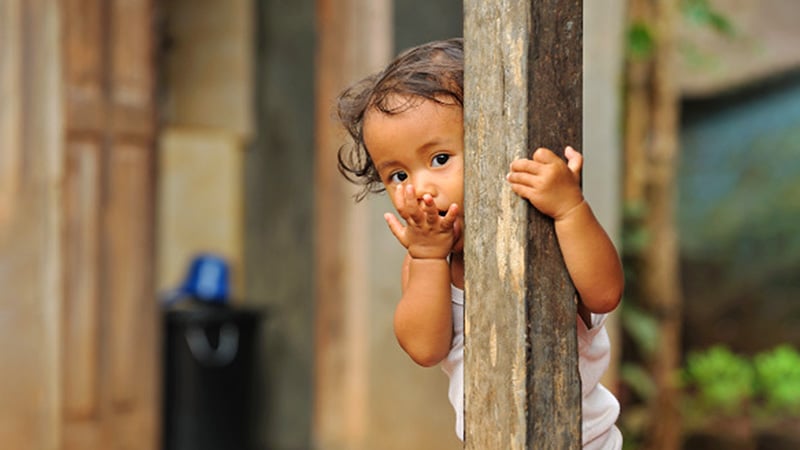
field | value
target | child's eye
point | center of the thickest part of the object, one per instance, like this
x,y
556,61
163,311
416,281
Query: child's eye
x,y
440,160
397,177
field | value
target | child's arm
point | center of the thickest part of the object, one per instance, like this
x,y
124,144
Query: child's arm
x,y
591,259
423,321
423,317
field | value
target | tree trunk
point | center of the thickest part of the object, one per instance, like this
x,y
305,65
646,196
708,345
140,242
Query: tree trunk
x,y
651,159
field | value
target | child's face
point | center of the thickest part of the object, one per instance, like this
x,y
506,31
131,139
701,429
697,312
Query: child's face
x,y
422,146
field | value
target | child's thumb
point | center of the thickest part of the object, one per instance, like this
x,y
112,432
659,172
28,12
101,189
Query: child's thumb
x,y
574,160
397,228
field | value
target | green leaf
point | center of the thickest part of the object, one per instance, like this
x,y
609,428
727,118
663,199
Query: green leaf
x,y
639,380
700,13
642,328
640,41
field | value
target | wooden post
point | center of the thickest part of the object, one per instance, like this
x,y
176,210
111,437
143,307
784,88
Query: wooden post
x,y
523,87
353,40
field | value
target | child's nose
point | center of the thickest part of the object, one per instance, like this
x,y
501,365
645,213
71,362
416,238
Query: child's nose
x,y
424,185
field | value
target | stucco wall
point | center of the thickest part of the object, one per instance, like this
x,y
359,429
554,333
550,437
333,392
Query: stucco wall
x,y
763,44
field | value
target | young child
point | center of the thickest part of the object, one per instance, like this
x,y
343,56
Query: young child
x,y
407,128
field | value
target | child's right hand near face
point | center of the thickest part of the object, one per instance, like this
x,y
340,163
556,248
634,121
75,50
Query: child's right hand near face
x,y
426,234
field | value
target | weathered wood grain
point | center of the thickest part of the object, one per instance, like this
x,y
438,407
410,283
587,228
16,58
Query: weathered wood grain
x,y
522,90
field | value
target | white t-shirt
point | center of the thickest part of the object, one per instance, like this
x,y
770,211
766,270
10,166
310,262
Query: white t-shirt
x,y
599,406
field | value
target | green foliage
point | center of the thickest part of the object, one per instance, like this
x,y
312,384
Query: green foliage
x,y
639,380
719,382
635,236
642,38
722,382
642,328
640,41
699,12
778,380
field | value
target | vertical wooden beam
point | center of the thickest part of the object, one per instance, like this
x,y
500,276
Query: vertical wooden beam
x,y
354,39
31,225
10,88
523,90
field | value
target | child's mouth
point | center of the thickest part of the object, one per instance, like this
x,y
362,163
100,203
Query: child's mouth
x,y
442,213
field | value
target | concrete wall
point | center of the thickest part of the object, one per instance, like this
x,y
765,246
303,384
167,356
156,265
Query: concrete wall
x,y
207,121
603,53
279,200
763,43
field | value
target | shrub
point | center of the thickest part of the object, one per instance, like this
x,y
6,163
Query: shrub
x,y
721,382
778,380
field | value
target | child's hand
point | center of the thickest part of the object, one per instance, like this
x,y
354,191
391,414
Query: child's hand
x,y
552,186
426,234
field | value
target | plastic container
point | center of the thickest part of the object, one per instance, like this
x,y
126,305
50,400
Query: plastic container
x,y
209,367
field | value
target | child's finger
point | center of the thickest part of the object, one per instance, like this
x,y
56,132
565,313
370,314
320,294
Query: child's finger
x,y
574,160
523,178
397,228
450,216
409,194
524,191
407,209
543,155
525,165
411,209
397,197
429,208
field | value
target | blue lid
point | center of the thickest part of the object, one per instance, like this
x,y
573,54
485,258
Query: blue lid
x,y
207,279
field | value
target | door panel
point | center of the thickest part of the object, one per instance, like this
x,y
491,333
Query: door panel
x,y
81,283
130,298
83,64
131,68
110,369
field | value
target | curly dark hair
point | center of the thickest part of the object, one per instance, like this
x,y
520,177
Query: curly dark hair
x,y
432,71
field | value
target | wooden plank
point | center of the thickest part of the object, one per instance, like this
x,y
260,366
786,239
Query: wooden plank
x,y
522,91
10,108
30,238
82,372
133,370
84,119
130,298
131,418
83,64
555,111
81,282
131,68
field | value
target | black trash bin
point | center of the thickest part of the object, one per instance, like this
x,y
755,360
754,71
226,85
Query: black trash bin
x,y
209,364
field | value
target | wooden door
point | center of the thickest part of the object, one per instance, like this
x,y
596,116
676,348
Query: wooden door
x,y
78,318
109,318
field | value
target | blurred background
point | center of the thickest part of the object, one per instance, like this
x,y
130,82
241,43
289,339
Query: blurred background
x,y
137,135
